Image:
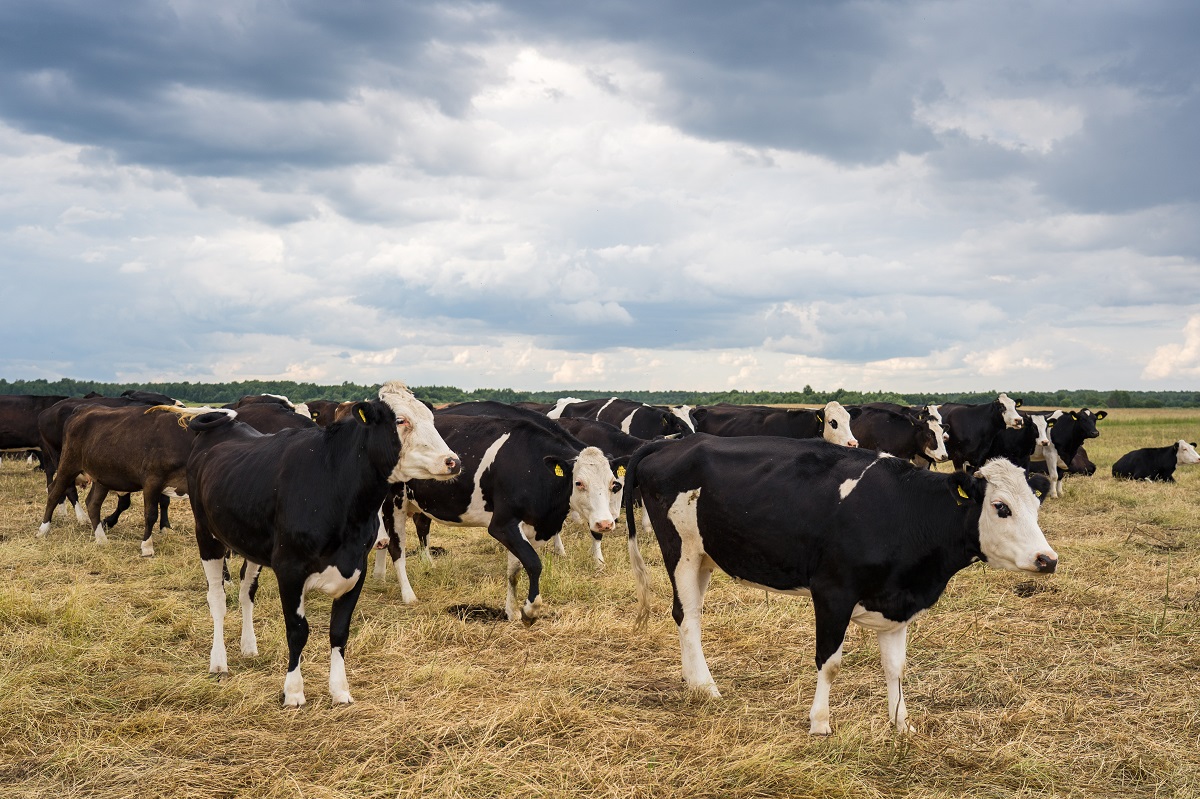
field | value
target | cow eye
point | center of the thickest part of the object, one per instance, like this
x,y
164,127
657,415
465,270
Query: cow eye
x,y
579,484
833,423
616,487
401,421
1002,510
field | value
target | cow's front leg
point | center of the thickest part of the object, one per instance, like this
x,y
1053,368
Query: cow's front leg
x,y
521,553
291,595
339,634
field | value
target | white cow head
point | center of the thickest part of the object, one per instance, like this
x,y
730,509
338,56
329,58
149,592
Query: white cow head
x,y
423,453
1185,453
937,453
1041,426
1009,535
837,424
1008,407
592,489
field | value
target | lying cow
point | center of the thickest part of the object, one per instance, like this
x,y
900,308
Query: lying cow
x,y
304,502
871,538
833,422
1156,463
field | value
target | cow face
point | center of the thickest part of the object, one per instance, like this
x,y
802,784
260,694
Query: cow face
x,y
1185,453
1009,535
684,413
423,453
837,424
932,439
1041,426
593,487
1008,412
1085,422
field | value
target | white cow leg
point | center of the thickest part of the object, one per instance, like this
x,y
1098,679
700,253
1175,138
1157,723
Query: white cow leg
x,y
101,538
559,549
510,599
81,513
406,592
218,663
381,561
893,646
691,582
597,552
818,716
339,687
246,592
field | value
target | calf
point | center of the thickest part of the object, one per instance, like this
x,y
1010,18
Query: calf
x,y
1155,463
123,449
901,433
973,428
635,418
833,422
869,537
519,481
304,502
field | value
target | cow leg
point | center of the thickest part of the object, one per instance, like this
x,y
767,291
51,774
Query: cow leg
x,y
291,595
520,553
422,523
690,579
893,645
597,552
247,590
164,521
387,522
95,502
150,497
214,571
123,503
56,490
73,498
831,622
397,543
559,549
339,633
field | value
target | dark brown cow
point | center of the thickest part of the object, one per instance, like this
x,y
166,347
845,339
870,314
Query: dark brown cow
x,y
18,421
124,449
322,411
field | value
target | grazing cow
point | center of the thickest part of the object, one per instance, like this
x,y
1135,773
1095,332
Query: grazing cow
x,y
52,422
833,422
1030,440
869,537
518,480
124,449
18,421
1156,463
912,437
635,418
972,428
304,502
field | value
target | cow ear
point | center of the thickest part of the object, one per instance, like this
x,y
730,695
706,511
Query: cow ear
x,y
666,423
1039,484
1018,402
820,416
698,414
364,412
560,467
1075,415
618,466
966,488
854,412
1049,422
1100,415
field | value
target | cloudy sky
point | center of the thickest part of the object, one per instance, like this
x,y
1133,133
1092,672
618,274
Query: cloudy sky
x,y
900,194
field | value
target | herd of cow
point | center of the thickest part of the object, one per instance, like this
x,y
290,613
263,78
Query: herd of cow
x,y
838,503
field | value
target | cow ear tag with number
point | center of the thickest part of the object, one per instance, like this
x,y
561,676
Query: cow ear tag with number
x,y
620,471
558,470
362,415
965,496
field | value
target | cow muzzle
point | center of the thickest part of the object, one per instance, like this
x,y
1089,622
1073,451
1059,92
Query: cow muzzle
x,y
602,526
1046,564
453,466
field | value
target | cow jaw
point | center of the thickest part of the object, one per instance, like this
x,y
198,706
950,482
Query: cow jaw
x,y
1009,535
423,453
591,493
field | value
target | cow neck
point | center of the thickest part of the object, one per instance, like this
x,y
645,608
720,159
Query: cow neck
x,y
350,435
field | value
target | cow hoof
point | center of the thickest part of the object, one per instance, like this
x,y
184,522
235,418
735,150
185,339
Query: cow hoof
x,y
820,729
249,649
43,529
342,698
295,700
166,530
147,549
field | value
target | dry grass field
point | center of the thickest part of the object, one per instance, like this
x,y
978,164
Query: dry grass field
x,y
1085,684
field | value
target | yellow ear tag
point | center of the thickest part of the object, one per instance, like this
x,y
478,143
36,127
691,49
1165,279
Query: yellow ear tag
x,y
558,471
362,415
620,471
962,493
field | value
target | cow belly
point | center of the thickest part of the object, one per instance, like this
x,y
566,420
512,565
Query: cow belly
x,y
331,581
787,591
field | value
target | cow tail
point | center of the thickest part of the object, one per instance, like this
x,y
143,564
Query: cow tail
x,y
640,574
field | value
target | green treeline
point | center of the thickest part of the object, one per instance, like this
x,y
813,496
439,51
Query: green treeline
x,y
220,393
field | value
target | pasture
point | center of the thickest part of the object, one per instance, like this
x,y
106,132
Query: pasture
x,y
1086,683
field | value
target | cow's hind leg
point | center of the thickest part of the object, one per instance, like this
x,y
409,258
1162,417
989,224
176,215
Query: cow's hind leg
x,y
95,502
123,503
832,618
339,633
690,570
247,590
150,497
893,645
214,569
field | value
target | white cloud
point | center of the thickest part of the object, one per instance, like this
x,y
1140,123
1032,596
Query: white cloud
x,y
1177,360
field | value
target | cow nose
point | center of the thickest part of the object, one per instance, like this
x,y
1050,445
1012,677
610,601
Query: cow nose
x,y
453,465
1045,563
851,443
603,526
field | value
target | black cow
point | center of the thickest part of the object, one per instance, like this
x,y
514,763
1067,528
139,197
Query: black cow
x,y
635,418
913,437
304,502
271,417
1081,465
519,481
1155,463
18,421
871,538
971,429
322,411
833,422
1070,430
1021,444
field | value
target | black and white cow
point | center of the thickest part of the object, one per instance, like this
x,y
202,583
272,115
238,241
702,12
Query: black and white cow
x,y
833,422
1030,440
304,502
871,538
913,437
635,418
519,481
1156,463
971,429
1070,430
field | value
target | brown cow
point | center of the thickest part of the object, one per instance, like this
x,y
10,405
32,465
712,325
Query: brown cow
x,y
123,449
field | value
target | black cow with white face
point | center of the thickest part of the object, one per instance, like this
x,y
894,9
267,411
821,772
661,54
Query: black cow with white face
x,y
911,436
635,418
519,481
304,502
1024,443
833,422
871,538
1156,463
1070,430
971,429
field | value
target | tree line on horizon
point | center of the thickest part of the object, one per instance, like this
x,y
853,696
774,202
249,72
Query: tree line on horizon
x,y
221,393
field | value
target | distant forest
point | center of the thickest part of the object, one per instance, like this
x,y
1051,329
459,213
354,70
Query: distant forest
x,y
221,393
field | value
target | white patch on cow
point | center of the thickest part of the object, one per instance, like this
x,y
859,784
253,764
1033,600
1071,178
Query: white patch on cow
x,y
381,535
604,408
407,595
293,689
282,399
597,553
101,538
560,406
147,547
1186,454
837,425
893,644
938,453
1041,431
692,574
249,641
476,514
684,413
214,573
1012,419
423,453
592,492
339,687
331,581
173,493
936,412
818,715
43,529
849,485
302,410
80,513
1011,540
627,422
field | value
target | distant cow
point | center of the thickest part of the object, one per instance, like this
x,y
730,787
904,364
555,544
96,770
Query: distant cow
x,y
519,481
304,502
124,449
18,421
909,436
1156,463
871,538
971,429
322,411
635,418
271,417
833,422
